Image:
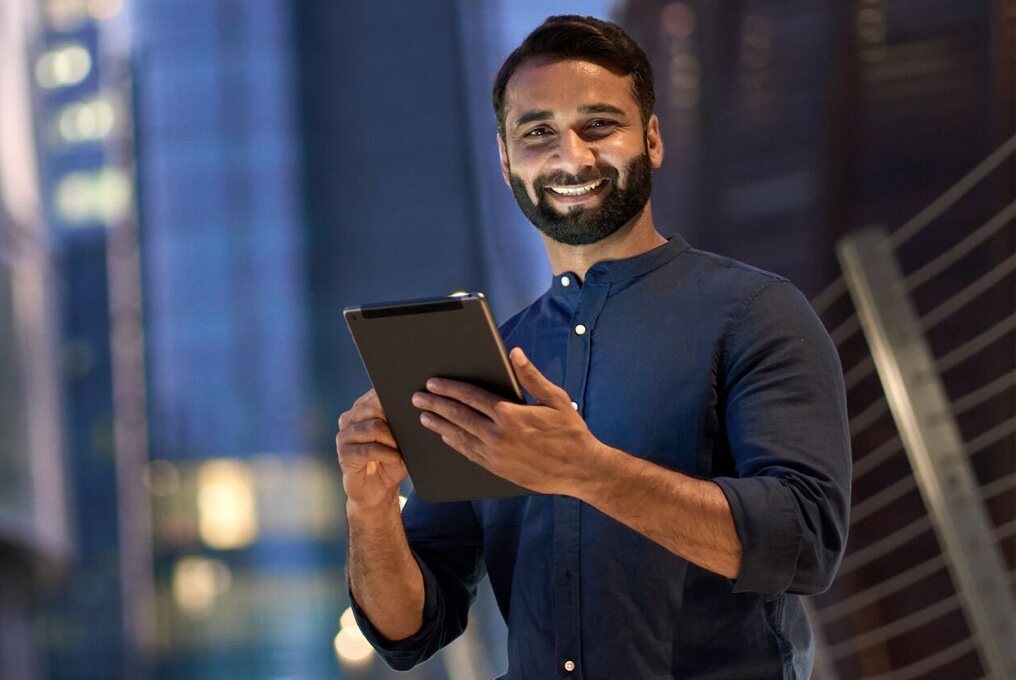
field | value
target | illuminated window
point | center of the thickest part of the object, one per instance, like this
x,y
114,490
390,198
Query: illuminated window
x,y
198,582
62,66
64,15
86,120
227,516
350,645
104,9
87,197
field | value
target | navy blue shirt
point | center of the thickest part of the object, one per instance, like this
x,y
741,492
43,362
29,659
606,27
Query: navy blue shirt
x,y
702,365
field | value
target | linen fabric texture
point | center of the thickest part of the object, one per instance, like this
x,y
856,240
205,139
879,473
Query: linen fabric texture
x,y
700,364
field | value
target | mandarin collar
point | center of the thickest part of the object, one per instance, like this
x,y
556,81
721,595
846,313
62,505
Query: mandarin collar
x,y
618,270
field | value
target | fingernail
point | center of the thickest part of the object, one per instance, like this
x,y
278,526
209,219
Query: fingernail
x,y
519,356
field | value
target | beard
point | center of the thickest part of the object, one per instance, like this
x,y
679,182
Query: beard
x,y
579,225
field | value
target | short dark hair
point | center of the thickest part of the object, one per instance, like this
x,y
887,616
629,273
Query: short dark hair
x,y
587,38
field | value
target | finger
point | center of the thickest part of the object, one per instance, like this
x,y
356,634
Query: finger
x,y
366,398
372,430
453,435
455,412
365,407
535,383
475,397
355,455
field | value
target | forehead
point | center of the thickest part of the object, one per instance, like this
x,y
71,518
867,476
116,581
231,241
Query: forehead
x,y
564,86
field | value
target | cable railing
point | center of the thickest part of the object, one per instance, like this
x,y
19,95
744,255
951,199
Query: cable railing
x,y
891,522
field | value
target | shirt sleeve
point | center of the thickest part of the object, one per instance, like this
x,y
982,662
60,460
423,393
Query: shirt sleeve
x,y
786,426
447,542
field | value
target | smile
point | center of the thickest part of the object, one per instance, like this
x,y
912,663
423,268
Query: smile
x,y
577,189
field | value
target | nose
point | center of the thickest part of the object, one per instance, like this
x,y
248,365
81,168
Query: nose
x,y
574,152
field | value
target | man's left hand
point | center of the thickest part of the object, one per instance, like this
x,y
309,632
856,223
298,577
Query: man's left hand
x,y
545,447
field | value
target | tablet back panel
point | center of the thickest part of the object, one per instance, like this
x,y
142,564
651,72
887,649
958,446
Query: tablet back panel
x,y
402,345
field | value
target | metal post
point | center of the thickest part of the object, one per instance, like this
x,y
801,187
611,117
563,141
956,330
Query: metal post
x,y
933,444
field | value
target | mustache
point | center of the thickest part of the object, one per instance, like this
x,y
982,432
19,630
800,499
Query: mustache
x,y
591,174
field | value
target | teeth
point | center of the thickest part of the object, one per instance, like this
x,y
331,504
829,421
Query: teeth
x,y
576,190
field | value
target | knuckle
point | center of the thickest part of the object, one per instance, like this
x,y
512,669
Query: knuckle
x,y
375,428
347,452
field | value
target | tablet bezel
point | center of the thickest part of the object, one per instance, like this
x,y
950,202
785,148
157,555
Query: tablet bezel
x,y
401,345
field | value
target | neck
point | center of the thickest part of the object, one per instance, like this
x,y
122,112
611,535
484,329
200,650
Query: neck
x,y
638,236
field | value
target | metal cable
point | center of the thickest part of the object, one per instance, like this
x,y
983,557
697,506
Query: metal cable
x,y
997,486
1005,530
960,299
928,663
858,372
868,416
874,593
887,631
989,437
984,393
877,456
971,241
880,500
830,294
884,545
952,194
971,347
845,330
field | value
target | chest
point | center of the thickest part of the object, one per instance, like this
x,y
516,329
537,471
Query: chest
x,y
645,382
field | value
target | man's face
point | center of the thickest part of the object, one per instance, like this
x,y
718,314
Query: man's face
x,y
575,152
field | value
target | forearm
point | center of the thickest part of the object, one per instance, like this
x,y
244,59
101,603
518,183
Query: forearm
x,y
688,516
383,575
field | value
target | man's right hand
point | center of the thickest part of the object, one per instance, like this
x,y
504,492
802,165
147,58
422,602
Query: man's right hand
x,y
372,466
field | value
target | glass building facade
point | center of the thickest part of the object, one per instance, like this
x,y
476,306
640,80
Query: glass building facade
x,y
191,191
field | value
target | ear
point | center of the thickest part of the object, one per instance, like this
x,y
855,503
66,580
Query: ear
x,y
654,142
502,151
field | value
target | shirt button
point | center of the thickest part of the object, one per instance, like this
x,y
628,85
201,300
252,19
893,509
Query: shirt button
x,y
565,281
580,330
569,665
575,406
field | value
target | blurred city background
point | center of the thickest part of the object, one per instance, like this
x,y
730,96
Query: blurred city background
x,y
192,190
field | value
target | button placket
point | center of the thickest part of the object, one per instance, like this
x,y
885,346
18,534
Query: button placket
x,y
568,511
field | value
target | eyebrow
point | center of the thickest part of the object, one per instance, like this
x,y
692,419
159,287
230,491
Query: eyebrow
x,y
532,116
601,108
546,114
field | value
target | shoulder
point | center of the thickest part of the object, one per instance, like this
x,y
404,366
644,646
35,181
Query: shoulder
x,y
717,288
730,276
755,304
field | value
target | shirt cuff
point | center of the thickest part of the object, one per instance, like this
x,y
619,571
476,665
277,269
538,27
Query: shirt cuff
x,y
768,527
406,653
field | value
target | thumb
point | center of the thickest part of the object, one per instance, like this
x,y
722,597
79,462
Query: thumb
x,y
536,384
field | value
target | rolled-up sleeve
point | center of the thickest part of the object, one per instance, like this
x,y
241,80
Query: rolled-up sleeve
x,y
447,543
785,422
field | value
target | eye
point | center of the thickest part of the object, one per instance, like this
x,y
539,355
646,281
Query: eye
x,y
537,132
601,124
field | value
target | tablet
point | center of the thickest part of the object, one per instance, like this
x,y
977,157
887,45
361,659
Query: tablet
x,y
402,345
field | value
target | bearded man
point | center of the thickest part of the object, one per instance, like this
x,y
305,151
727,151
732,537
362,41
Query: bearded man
x,y
686,440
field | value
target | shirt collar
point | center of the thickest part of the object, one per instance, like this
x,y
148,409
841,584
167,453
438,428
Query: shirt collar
x,y
618,270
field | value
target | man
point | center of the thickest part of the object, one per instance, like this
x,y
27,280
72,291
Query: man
x,y
686,433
